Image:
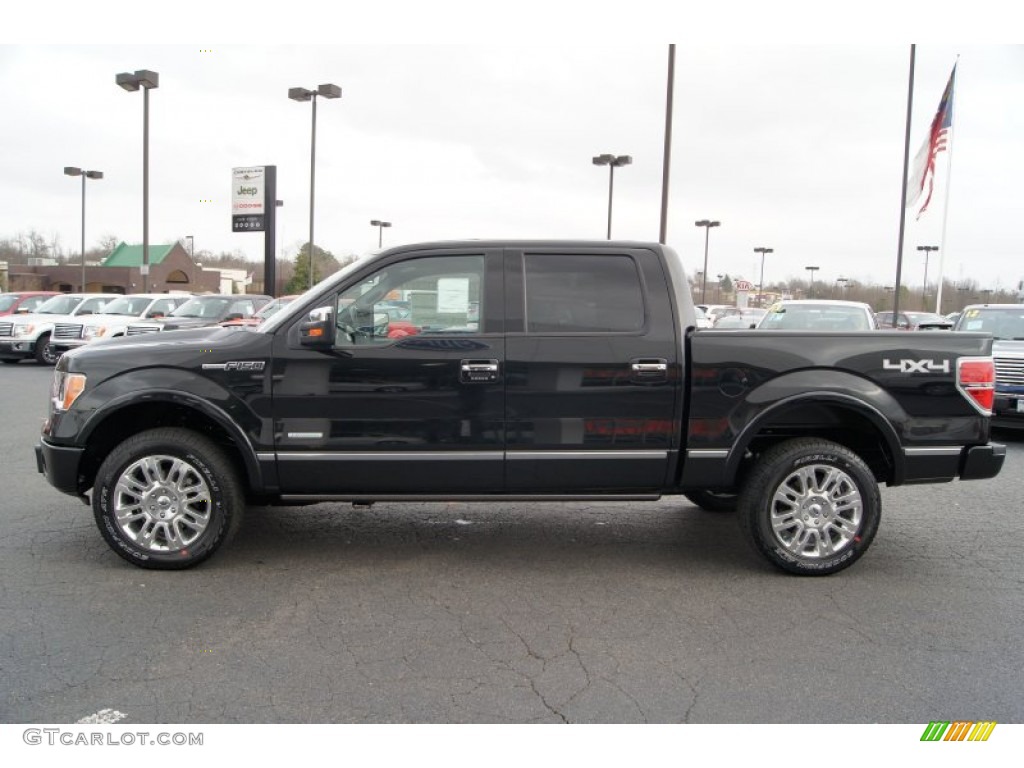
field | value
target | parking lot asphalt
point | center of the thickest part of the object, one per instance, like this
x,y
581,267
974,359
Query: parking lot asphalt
x,y
508,612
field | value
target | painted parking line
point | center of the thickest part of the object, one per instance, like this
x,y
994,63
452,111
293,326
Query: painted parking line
x,y
103,717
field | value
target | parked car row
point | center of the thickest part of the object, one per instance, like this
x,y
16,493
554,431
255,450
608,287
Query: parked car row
x,y
42,325
820,315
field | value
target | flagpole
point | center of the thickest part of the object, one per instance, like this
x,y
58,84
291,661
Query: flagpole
x,y
903,193
949,183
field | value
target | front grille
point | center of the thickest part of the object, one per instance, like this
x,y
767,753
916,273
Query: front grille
x,y
67,331
1010,370
138,330
5,329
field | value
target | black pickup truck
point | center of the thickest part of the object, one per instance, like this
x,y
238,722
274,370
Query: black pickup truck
x,y
527,370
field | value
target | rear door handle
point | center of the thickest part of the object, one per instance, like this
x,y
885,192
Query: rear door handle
x,y
478,371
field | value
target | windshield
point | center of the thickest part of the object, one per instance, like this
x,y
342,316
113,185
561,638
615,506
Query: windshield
x,y
925,317
7,300
202,306
1002,322
127,305
816,317
273,307
280,318
59,305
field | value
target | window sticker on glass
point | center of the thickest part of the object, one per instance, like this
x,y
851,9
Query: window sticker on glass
x,y
974,325
453,295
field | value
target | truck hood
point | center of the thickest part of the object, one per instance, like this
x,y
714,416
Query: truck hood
x,y
165,348
1002,347
33,319
178,323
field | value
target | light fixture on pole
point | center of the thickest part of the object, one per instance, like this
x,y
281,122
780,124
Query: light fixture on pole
x,y
72,171
380,229
810,288
924,291
328,91
613,162
760,283
147,80
707,224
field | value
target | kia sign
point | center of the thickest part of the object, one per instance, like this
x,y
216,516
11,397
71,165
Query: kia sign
x,y
248,199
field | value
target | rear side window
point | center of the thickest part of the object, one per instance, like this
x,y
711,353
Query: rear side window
x,y
583,294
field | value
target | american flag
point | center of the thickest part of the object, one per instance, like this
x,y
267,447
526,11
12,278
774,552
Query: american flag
x,y
923,172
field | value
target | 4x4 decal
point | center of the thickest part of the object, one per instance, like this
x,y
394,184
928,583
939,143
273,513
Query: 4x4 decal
x,y
916,366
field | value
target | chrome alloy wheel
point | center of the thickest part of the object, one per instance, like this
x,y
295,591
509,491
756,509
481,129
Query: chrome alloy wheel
x,y
816,511
162,503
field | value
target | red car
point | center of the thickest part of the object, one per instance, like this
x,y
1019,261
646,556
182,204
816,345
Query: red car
x,y
22,302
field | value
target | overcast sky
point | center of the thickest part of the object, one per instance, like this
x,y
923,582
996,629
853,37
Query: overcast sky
x,y
793,146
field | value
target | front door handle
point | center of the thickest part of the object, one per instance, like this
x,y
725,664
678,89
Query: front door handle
x,y
478,371
649,370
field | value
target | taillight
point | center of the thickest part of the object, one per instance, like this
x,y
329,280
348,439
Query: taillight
x,y
976,379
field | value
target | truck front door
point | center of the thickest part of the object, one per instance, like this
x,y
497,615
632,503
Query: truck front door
x,y
410,397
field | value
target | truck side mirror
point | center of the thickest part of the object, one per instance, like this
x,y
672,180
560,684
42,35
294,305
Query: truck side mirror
x,y
318,331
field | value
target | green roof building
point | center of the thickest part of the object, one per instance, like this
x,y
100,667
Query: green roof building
x,y
131,255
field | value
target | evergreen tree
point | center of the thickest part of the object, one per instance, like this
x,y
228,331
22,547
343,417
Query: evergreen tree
x,y
324,264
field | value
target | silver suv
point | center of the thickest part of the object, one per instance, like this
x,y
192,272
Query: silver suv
x,y
1006,324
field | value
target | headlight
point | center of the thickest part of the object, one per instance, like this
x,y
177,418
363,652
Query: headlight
x,y
94,332
65,389
23,330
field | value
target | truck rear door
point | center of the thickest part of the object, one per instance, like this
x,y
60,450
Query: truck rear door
x,y
592,371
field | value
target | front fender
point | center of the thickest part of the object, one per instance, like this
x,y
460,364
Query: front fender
x,y
158,387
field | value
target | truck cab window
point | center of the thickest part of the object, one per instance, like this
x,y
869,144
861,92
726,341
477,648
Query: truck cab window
x,y
439,295
583,294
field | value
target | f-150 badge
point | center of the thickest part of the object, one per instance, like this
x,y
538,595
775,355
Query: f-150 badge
x,y
235,365
916,366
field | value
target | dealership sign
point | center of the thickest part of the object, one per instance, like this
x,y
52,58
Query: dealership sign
x,y
248,199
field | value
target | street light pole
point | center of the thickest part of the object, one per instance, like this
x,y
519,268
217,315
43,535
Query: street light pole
x,y
810,288
924,291
613,162
328,91
147,80
380,230
707,224
72,171
760,284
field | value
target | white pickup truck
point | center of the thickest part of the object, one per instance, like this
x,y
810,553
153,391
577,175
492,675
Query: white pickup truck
x,y
114,319
30,335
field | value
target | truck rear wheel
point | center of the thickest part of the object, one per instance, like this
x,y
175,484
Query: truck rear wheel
x,y
167,499
810,506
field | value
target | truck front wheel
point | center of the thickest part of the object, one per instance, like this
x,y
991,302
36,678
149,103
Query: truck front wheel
x,y
810,506
45,353
167,499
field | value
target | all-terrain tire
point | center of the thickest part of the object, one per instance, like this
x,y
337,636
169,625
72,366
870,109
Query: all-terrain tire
x,y
167,499
810,506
